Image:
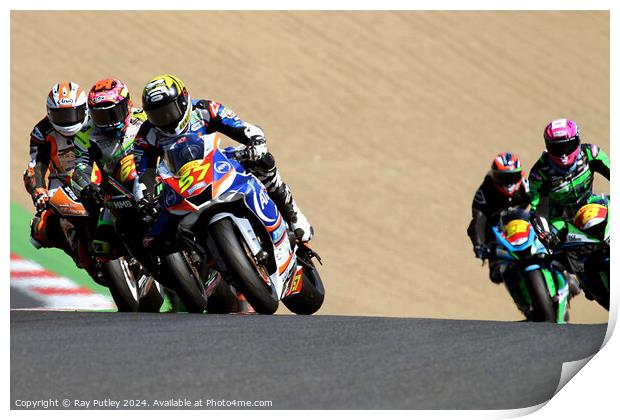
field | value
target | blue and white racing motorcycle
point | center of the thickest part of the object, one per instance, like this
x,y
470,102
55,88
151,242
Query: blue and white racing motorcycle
x,y
226,217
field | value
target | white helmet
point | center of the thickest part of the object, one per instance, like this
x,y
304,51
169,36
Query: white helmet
x,y
66,108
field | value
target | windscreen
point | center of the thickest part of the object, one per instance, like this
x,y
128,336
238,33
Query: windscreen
x,y
186,148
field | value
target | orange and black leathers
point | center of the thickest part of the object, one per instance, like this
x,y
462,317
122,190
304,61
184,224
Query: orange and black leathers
x,y
49,151
52,161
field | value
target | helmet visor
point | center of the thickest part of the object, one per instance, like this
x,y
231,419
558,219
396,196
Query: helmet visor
x,y
66,117
166,116
506,178
108,116
563,147
186,149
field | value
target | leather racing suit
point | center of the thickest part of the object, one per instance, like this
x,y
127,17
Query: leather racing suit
x,y
54,152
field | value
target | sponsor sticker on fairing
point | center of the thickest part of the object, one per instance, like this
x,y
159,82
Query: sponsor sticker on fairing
x,y
196,187
222,167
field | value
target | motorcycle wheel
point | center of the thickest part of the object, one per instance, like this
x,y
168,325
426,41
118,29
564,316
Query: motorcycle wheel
x,y
122,285
151,299
544,309
310,298
187,282
599,288
222,300
243,268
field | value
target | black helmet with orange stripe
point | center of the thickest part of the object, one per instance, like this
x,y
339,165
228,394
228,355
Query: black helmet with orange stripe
x,y
507,173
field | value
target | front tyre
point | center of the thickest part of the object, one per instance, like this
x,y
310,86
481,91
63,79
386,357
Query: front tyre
x,y
240,263
186,281
544,310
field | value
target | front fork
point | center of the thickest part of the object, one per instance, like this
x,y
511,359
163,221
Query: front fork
x,y
557,286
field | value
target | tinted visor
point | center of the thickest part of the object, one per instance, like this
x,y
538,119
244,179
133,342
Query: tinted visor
x,y
506,178
66,117
108,116
166,116
565,147
186,149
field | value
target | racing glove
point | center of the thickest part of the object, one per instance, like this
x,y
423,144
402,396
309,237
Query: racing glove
x,y
548,238
147,210
482,252
40,198
256,149
92,196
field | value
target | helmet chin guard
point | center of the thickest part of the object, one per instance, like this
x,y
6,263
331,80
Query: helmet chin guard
x,y
66,108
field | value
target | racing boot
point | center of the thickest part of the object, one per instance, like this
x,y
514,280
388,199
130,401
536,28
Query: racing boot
x,y
265,170
292,214
573,283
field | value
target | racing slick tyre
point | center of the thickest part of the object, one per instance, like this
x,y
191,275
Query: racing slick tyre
x,y
187,282
222,300
598,284
151,297
310,297
122,284
250,277
544,310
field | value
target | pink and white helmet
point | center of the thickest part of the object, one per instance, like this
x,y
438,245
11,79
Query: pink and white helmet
x,y
562,141
66,108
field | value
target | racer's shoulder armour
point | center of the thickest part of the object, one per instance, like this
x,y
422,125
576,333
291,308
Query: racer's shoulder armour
x,y
206,109
42,129
590,150
146,135
481,198
82,137
537,171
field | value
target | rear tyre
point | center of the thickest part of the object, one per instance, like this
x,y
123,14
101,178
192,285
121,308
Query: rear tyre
x,y
186,281
151,297
222,300
243,268
122,284
310,298
544,310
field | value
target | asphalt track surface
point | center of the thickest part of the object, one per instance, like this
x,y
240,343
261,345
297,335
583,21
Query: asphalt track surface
x,y
317,362
20,301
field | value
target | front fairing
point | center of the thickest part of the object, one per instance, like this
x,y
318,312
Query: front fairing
x,y
507,250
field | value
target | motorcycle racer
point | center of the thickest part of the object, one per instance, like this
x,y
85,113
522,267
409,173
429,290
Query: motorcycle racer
x,y
52,149
107,142
561,180
503,187
171,112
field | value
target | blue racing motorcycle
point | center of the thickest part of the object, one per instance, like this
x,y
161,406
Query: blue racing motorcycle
x,y
226,216
534,280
